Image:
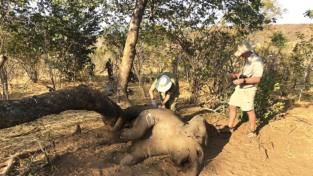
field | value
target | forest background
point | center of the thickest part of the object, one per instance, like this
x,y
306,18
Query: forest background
x,y
63,41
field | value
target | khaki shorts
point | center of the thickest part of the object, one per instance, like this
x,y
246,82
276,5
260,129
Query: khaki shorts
x,y
243,98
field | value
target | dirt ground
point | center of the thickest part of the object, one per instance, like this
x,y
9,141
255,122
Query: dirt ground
x,y
283,147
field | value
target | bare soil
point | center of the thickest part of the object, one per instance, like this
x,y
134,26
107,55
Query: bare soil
x,y
283,147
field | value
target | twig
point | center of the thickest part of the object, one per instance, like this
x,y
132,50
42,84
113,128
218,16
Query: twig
x,y
265,150
191,106
279,116
3,165
10,163
291,130
215,110
46,155
78,130
36,167
301,120
209,100
24,134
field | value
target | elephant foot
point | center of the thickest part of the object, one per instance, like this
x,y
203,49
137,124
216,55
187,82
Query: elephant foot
x,y
125,135
122,159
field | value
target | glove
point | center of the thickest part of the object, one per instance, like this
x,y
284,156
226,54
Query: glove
x,y
229,75
160,106
154,104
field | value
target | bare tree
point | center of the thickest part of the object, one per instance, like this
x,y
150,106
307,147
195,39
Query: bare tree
x,y
4,78
129,52
14,112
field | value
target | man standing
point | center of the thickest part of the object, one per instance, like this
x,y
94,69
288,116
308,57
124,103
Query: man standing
x,y
90,68
109,66
246,87
167,86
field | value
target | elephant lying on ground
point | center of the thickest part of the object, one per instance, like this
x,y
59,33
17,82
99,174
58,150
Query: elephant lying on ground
x,y
169,135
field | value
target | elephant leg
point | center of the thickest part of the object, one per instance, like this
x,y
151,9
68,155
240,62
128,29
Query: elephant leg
x,y
139,152
146,121
119,124
122,158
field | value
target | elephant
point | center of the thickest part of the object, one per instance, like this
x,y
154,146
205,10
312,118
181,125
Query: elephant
x,y
161,132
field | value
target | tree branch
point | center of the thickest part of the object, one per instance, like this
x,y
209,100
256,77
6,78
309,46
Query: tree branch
x,y
15,112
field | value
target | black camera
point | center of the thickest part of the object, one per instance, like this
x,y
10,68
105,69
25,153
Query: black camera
x,y
242,76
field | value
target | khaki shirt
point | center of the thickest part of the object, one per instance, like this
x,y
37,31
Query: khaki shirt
x,y
174,88
253,67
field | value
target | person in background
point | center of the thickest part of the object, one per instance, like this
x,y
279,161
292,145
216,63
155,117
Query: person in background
x,y
167,85
245,90
91,67
109,66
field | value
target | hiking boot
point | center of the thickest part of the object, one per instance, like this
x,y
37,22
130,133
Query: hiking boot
x,y
226,129
251,134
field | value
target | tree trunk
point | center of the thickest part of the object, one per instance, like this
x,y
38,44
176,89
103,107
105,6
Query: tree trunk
x,y
4,78
129,52
51,75
306,73
140,79
4,84
14,112
33,74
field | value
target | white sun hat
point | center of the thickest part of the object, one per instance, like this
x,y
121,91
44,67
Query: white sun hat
x,y
163,84
244,48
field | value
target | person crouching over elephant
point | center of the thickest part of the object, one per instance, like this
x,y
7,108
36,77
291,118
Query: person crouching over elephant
x,y
161,132
168,87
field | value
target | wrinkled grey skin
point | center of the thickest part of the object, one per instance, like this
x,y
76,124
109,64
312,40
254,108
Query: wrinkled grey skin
x,y
129,115
170,135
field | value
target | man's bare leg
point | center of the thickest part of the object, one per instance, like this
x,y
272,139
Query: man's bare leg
x,y
252,119
232,115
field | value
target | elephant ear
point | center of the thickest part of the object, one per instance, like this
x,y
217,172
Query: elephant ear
x,y
196,129
196,157
129,116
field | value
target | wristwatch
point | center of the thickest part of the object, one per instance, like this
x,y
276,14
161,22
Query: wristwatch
x,y
244,80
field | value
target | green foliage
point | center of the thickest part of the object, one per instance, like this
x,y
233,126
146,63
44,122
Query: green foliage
x,y
279,40
206,57
24,88
303,54
309,13
265,102
247,15
273,10
54,168
62,34
115,40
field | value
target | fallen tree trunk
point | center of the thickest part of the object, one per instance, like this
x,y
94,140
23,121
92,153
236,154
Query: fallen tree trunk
x,y
14,112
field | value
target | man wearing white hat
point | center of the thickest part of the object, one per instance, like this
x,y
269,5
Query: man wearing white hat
x,y
246,82
167,85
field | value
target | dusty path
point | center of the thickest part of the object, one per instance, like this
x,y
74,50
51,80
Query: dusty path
x,y
283,147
